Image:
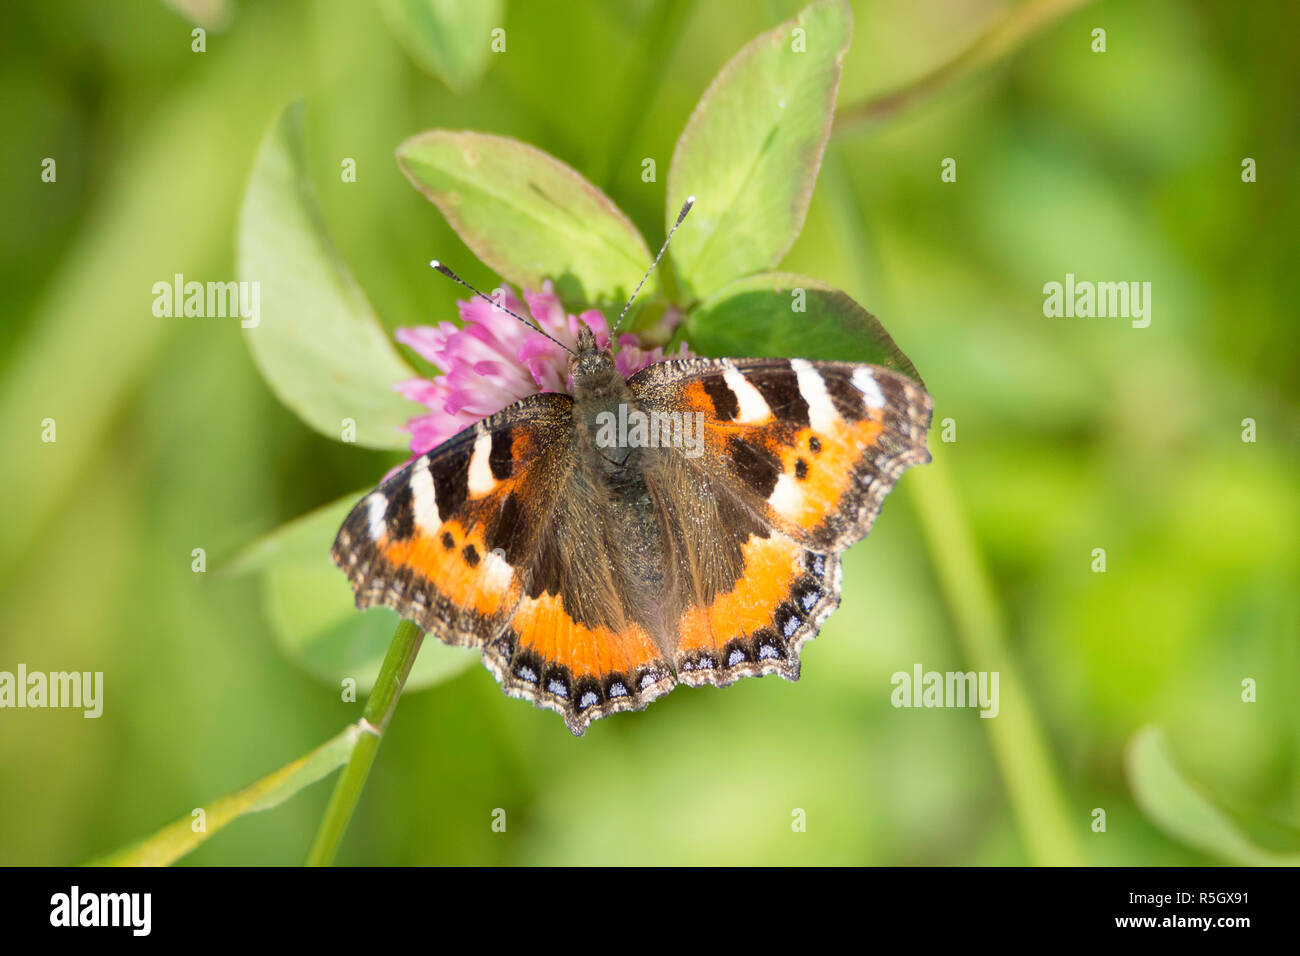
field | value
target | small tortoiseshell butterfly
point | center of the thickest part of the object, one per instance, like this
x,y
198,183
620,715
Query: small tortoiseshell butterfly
x,y
596,576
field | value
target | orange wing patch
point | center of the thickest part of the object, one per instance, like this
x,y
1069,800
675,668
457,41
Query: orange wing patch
x,y
581,672
811,447
431,541
780,599
812,471
464,569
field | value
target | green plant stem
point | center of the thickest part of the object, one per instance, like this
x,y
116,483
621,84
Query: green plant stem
x,y
1018,744
1022,22
374,719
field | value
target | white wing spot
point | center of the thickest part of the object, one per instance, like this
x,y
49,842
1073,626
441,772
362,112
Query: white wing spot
x,y
376,505
787,496
481,481
423,499
821,410
866,384
496,569
753,410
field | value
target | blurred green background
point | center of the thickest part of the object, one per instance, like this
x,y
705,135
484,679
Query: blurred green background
x,y
1072,434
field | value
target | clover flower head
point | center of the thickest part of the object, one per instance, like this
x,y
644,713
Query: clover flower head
x,y
491,360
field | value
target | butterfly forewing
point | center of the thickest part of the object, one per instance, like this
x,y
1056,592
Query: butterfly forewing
x,y
432,541
811,448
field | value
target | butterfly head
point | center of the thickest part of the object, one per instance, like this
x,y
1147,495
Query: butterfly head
x,y
592,368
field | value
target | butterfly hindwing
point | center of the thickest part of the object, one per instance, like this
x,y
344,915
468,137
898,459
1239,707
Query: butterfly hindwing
x,y
579,641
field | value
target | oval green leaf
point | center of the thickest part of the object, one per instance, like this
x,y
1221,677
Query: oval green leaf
x,y
1179,808
177,839
449,38
781,315
316,340
314,617
751,150
529,217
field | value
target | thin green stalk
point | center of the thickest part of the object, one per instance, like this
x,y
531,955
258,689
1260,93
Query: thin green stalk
x,y
1019,746
374,719
1032,786
1022,22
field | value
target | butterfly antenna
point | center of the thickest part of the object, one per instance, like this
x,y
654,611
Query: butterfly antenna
x,y
686,207
533,326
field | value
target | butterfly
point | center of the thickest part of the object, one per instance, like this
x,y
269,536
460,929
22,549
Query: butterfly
x,y
596,569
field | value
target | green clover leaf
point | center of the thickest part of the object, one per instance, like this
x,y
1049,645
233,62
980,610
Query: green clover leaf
x,y
751,151
529,216
777,314
449,38
312,612
317,341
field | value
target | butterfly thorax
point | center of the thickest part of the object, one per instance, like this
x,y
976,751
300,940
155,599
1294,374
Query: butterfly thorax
x,y
599,391
609,480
